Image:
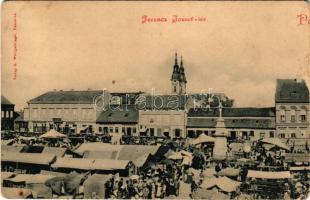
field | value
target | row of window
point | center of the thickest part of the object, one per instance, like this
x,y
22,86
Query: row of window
x,y
162,119
6,114
302,118
160,132
233,134
293,115
283,135
112,129
62,113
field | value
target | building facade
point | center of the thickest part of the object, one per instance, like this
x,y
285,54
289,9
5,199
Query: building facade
x,y
121,120
162,123
7,114
162,116
292,109
66,111
20,125
240,123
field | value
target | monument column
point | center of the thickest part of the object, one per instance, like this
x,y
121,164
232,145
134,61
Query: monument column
x,y
220,144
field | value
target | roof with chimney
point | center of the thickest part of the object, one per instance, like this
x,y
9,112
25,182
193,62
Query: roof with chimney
x,y
292,91
67,97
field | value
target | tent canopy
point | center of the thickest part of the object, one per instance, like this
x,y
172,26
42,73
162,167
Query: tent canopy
x,y
269,175
201,193
53,134
95,184
90,164
229,172
7,142
29,158
26,138
275,141
54,151
16,193
138,154
176,156
202,139
13,148
224,183
30,178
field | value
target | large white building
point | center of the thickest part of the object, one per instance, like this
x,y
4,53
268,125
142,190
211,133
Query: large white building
x,y
67,111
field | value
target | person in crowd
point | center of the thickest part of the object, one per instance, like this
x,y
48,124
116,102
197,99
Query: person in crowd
x,y
194,186
145,190
217,168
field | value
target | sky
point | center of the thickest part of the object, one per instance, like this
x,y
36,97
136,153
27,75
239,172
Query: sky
x,y
241,48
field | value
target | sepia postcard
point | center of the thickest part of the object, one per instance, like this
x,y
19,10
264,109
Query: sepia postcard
x,y
155,100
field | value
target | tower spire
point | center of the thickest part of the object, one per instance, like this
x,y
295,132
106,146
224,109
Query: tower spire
x,y
176,58
181,61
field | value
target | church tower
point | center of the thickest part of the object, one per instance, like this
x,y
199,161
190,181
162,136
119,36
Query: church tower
x,y
175,86
182,79
178,78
